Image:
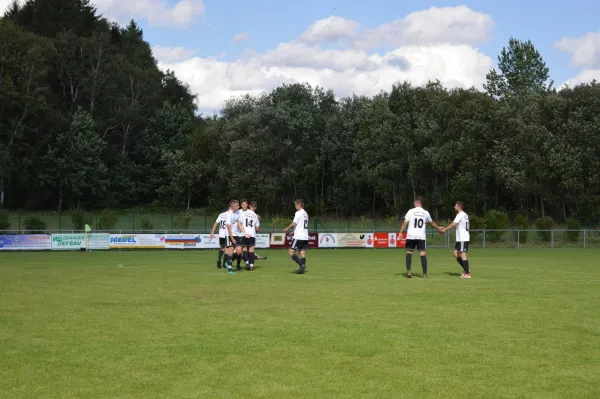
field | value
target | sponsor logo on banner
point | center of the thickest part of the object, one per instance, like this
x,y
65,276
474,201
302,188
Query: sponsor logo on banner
x,y
262,241
23,242
352,240
394,242
278,240
74,242
191,241
369,240
328,240
381,240
141,241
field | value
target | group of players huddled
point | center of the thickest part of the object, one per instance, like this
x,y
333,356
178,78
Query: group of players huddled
x,y
237,235
238,228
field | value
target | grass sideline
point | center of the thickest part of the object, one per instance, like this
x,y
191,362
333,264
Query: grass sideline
x,y
170,324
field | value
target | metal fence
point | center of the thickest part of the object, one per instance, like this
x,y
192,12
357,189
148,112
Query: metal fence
x,y
510,238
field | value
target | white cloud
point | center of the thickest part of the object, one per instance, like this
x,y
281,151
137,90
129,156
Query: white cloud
x,y
172,54
433,26
158,13
436,44
585,76
585,53
241,37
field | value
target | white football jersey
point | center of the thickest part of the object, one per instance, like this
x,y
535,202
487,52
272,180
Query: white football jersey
x,y
231,220
222,221
417,219
301,229
234,223
249,222
462,227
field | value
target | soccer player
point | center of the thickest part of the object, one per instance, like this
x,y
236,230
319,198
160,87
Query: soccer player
x,y
461,222
239,248
417,219
230,221
249,225
221,223
300,241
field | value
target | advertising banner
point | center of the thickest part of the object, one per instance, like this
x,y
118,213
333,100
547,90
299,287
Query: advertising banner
x,y
328,240
381,240
393,241
76,241
369,240
281,240
137,241
23,242
263,241
191,241
352,240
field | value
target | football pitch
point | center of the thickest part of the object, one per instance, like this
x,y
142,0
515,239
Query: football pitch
x,y
172,325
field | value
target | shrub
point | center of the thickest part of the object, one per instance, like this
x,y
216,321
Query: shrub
x,y
476,223
34,225
522,223
496,220
4,221
546,223
79,219
183,221
573,227
108,220
145,224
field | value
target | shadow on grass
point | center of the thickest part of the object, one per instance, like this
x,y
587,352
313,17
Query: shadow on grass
x,y
453,274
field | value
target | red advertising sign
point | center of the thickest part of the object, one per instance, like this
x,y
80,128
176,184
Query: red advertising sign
x,y
380,240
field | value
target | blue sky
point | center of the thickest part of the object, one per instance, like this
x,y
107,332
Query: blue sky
x,y
366,49
270,22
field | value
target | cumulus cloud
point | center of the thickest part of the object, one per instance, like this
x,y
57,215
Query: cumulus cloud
x,y
457,25
158,13
584,50
172,54
241,37
585,53
435,44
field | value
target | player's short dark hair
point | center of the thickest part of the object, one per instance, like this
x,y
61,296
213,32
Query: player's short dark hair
x,y
243,200
299,202
418,198
253,204
461,204
233,202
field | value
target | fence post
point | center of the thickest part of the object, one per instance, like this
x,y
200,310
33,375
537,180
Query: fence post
x,y
584,234
552,239
518,239
133,222
59,222
484,239
316,225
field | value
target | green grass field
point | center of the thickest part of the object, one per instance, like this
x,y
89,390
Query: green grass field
x,y
172,325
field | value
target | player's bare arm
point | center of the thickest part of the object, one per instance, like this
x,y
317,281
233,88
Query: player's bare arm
x,y
449,227
212,232
242,229
231,234
435,226
404,224
291,226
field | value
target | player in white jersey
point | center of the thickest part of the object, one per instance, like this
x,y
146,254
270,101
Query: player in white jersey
x,y
461,222
221,224
230,221
239,248
417,219
249,225
300,239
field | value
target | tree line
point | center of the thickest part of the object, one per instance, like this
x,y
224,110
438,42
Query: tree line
x,y
88,121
